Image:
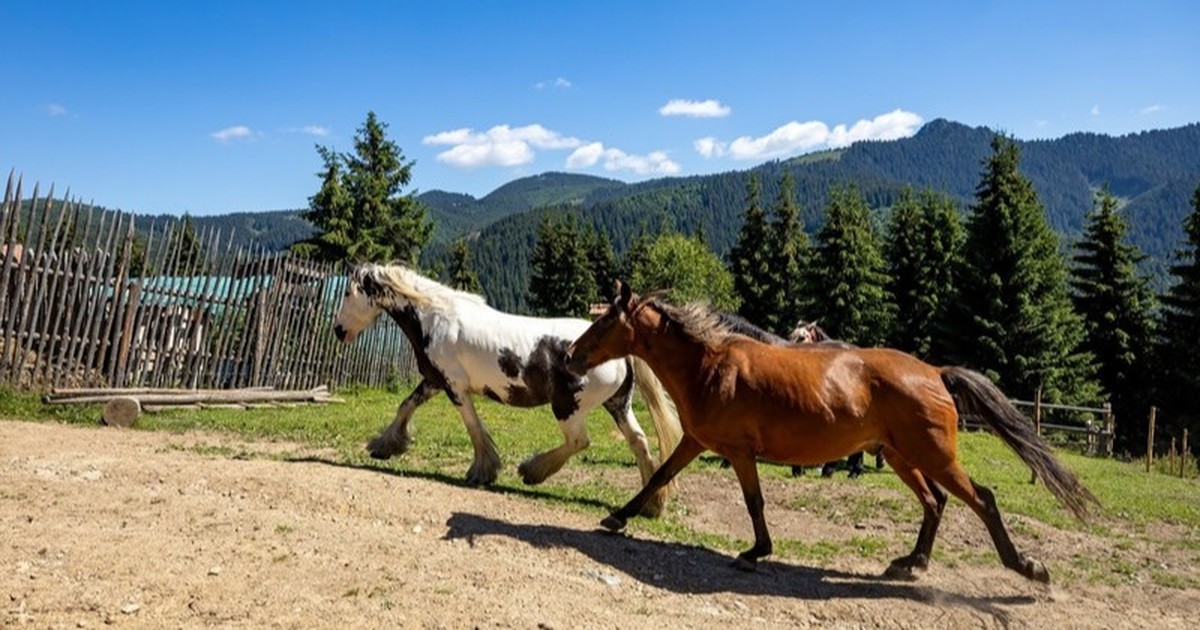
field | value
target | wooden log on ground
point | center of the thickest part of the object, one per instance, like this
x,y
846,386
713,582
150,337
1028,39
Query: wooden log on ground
x,y
122,411
77,392
185,397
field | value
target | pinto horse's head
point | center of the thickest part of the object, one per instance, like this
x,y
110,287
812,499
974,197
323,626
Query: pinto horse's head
x,y
360,303
609,337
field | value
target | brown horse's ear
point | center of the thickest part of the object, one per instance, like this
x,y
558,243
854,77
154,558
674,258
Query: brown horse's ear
x,y
624,295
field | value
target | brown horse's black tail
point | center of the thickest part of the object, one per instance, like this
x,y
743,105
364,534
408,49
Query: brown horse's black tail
x,y
975,395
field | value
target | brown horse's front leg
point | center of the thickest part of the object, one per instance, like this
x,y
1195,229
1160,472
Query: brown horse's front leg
x,y
683,455
747,474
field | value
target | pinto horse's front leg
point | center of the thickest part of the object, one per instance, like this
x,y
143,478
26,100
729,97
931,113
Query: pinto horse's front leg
x,y
395,438
747,474
486,467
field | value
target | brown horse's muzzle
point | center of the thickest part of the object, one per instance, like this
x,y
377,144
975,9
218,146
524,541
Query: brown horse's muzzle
x,y
576,362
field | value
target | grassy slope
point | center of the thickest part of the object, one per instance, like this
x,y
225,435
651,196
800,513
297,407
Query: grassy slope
x,y
1133,500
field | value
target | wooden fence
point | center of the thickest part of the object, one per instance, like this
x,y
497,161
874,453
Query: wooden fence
x,y
84,303
1093,434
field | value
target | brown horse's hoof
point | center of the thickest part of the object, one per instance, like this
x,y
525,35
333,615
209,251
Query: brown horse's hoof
x,y
742,563
612,523
1037,571
906,567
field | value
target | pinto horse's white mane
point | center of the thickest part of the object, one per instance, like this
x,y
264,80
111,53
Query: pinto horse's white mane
x,y
400,281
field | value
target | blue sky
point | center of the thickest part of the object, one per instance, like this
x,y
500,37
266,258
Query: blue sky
x,y
214,107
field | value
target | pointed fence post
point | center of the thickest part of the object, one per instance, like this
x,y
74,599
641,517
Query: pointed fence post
x,y
1150,439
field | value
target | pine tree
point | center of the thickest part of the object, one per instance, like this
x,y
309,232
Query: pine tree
x,y
359,212
331,212
847,277
462,272
1012,317
1115,304
562,283
750,259
924,240
1180,350
788,251
602,262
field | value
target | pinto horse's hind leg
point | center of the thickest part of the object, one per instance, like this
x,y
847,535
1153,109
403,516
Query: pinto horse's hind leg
x,y
536,469
683,455
486,467
647,463
395,438
981,499
933,499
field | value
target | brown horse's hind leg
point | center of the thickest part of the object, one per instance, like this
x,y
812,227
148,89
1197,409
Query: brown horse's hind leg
x,y
933,499
981,499
747,474
683,455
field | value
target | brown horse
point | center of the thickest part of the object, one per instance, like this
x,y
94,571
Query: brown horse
x,y
807,405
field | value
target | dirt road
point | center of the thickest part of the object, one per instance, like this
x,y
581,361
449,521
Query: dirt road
x,y
104,526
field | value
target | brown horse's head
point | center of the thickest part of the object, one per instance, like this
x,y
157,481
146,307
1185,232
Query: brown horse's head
x,y
610,337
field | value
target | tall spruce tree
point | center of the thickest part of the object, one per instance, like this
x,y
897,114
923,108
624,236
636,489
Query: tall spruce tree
x,y
1116,305
1180,350
788,252
1012,317
360,211
562,283
924,241
750,258
602,262
187,249
847,277
462,272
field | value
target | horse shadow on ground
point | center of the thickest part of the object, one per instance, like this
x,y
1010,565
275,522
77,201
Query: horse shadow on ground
x,y
683,568
688,569
529,492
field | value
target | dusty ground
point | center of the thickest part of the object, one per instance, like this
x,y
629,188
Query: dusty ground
x,y
104,526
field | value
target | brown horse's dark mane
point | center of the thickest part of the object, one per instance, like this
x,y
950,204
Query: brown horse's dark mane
x,y
697,320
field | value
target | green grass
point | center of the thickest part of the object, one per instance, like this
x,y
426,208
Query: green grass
x,y
1132,499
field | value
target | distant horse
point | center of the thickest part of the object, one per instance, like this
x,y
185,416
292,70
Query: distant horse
x,y
745,399
464,347
810,332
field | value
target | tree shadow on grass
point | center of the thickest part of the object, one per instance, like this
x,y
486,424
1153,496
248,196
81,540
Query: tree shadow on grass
x,y
688,569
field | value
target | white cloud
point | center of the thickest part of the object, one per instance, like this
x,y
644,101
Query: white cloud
x,y
559,82
319,131
653,163
1152,109
499,146
237,132
1041,123
1095,110
710,147
56,109
797,137
710,108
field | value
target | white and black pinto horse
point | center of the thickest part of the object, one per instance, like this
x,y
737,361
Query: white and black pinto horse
x,y
463,347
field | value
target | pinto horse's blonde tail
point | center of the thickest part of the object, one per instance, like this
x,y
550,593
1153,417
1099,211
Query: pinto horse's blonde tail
x,y
976,395
662,408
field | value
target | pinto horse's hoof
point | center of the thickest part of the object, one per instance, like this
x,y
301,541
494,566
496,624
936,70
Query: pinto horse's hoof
x,y
612,523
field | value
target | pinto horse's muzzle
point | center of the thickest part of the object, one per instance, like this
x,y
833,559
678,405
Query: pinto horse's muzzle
x,y
340,332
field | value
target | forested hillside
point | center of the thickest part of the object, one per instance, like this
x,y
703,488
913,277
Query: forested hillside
x,y
1151,173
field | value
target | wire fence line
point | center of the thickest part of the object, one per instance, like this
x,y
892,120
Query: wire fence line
x,y
84,304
